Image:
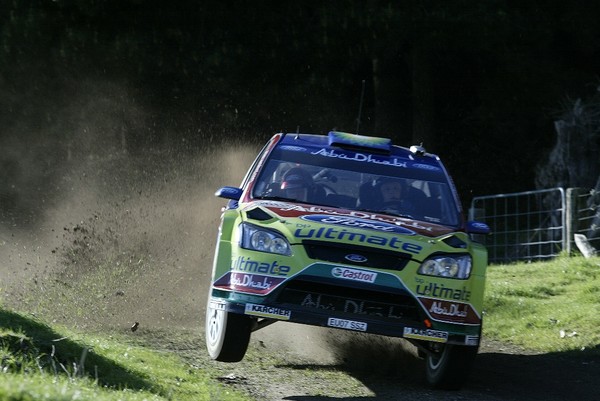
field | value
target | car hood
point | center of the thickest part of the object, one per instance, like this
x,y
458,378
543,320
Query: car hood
x,y
298,216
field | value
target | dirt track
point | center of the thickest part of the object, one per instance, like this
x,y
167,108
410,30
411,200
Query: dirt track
x,y
292,362
108,248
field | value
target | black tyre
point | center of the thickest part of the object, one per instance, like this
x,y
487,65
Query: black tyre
x,y
227,334
449,367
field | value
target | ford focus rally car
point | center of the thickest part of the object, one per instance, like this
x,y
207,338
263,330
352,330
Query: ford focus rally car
x,y
349,232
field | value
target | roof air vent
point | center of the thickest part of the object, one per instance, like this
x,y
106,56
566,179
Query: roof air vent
x,y
360,142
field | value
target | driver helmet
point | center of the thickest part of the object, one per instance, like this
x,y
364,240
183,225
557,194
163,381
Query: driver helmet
x,y
296,183
391,189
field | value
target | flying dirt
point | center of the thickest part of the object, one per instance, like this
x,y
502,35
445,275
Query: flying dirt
x,y
123,239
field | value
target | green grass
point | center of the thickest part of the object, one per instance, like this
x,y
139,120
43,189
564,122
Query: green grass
x,y
549,306
40,362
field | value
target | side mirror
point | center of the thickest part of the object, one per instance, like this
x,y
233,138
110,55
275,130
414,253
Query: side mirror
x,y
232,193
477,227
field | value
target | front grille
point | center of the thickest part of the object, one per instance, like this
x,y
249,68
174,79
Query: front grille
x,y
328,297
337,253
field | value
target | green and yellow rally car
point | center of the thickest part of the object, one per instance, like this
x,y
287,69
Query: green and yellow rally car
x,y
349,232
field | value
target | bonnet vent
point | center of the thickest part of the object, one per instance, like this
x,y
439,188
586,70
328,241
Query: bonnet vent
x,y
258,214
455,242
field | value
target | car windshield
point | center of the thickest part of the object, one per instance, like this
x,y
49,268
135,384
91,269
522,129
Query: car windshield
x,y
388,186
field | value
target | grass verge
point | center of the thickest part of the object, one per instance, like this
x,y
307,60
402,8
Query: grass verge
x,y
548,306
39,362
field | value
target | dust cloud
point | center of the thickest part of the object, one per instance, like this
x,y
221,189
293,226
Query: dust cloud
x,y
352,351
101,227
94,237
126,238
131,239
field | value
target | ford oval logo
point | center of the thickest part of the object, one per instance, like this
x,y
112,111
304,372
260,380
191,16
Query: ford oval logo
x,y
425,166
355,258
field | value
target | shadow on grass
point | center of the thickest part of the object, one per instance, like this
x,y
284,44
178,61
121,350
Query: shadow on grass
x,y
495,376
570,375
34,344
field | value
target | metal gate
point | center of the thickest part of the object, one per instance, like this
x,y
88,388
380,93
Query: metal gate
x,y
525,225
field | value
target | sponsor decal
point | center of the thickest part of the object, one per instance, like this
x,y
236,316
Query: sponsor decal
x,y
314,301
360,157
346,324
441,291
292,148
268,311
364,308
248,265
356,306
425,167
456,312
479,225
355,258
471,340
433,219
353,222
214,304
230,190
353,274
259,283
248,283
335,234
426,334
294,210
449,309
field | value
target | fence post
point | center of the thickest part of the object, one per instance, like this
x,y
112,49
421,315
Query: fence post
x,y
569,220
571,217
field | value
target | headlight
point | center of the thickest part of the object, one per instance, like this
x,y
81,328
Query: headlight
x,y
259,239
447,266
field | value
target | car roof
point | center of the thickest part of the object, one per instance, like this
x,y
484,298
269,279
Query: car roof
x,y
361,143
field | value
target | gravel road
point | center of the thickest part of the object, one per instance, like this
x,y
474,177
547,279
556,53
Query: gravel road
x,y
362,368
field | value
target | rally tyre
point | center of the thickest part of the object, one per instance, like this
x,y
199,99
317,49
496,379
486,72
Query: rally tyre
x,y
449,368
227,334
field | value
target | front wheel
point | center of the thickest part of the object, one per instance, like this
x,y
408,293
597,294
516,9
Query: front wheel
x,y
448,367
227,334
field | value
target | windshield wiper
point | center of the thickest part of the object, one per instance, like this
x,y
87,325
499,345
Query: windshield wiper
x,y
276,198
379,211
284,199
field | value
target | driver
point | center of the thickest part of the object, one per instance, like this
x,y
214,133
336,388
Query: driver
x,y
394,196
297,184
391,192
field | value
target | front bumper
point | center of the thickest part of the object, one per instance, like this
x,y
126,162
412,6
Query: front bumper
x,y
362,322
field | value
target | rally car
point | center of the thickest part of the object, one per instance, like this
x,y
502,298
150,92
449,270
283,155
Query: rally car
x,y
349,232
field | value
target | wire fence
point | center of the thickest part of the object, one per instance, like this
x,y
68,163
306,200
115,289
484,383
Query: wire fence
x,y
537,225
